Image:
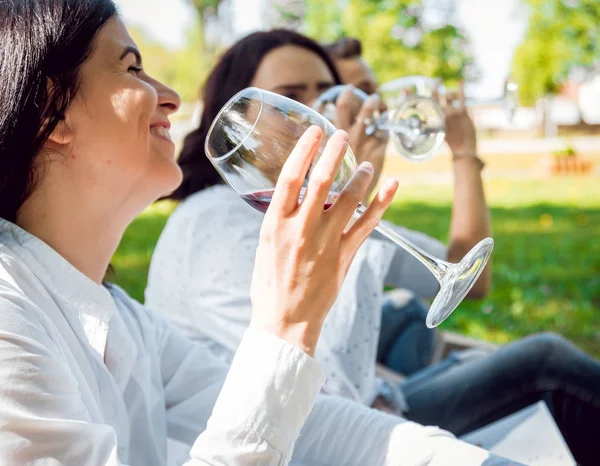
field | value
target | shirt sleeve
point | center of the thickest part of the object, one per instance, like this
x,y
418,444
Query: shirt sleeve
x,y
407,272
257,411
339,432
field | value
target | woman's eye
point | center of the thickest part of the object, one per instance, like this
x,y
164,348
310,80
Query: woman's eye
x,y
134,69
292,96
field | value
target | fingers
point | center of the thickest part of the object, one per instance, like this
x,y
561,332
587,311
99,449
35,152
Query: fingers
x,y
367,222
293,173
461,94
343,109
438,95
365,116
324,173
352,194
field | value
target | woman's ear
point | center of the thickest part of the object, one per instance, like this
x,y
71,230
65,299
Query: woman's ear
x,y
62,134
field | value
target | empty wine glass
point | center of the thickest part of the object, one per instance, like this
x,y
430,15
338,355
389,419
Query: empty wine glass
x,y
249,142
394,93
509,99
415,125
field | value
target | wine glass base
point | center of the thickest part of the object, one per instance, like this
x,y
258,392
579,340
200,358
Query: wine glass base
x,y
457,281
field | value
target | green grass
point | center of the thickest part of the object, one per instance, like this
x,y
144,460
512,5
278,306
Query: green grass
x,y
546,274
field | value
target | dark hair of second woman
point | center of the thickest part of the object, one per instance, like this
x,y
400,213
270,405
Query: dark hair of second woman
x,y
234,72
42,47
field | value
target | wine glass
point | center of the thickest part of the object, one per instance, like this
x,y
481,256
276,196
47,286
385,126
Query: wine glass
x,y
415,125
249,142
509,99
393,93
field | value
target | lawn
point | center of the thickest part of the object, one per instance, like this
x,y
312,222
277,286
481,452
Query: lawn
x,y
546,260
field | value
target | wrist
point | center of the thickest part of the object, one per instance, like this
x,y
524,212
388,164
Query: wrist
x,y
303,336
467,159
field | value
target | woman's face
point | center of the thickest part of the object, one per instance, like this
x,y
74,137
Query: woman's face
x,y
355,71
116,134
294,72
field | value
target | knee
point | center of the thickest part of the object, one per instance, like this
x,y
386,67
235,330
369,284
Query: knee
x,y
544,346
407,303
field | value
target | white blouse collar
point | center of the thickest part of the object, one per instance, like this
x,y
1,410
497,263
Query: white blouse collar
x,y
89,302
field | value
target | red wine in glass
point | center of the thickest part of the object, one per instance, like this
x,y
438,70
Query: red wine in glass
x,y
261,200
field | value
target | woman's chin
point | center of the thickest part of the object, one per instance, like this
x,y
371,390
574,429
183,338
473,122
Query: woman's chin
x,y
165,179
172,181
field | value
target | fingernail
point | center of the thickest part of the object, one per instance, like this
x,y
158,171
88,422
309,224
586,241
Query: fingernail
x,y
390,185
344,134
374,99
366,167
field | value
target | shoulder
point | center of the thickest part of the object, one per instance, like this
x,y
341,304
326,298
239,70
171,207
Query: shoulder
x,y
26,314
217,202
213,210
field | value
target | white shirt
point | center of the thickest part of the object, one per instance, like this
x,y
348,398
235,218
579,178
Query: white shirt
x,y
90,377
202,268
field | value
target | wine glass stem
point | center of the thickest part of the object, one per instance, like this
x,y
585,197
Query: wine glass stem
x,y
437,266
383,124
480,103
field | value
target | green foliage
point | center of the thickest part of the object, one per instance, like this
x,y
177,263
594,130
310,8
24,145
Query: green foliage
x,y
383,27
546,261
561,34
183,69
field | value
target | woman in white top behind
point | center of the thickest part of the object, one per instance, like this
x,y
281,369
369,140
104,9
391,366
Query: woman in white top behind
x,y
91,377
213,234
201,272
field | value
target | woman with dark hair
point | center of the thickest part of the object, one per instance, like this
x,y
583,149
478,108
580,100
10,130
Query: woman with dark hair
x,y
201,275
91,377
236,70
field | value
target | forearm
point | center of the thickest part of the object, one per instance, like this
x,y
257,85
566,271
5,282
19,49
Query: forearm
x,y
470,217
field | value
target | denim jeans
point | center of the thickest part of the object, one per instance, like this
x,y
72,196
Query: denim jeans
x,y
466,396
406,344
468,390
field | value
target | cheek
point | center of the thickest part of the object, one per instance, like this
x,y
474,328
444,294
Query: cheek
x,y
132,110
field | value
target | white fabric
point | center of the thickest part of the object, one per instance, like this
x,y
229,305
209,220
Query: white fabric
x,y
90,377
201,272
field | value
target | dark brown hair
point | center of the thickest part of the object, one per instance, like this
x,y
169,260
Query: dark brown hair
x,y
234,72
43,44
344,48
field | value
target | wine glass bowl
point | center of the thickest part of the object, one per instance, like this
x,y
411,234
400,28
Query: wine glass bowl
x,y
424,123
326,102
248,144
415,123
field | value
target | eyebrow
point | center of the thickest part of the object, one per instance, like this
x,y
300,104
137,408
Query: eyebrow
x,y
301,87
290,87
134,51
325,84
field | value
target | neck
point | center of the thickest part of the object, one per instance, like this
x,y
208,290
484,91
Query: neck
x,y
84,237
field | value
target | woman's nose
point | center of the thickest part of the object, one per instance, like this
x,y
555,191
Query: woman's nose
x,y
168,98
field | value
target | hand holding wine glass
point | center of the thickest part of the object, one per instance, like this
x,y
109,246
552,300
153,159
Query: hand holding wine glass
x,y
460,130
352,115
306,250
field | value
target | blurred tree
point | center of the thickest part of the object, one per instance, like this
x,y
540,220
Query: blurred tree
x,y
562,35
396,37
182,69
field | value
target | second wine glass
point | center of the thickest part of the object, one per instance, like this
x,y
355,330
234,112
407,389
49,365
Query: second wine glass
x,y
416,126
249,142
